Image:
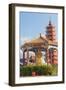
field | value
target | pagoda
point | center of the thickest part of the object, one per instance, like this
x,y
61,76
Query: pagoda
x,y
51,32
51,36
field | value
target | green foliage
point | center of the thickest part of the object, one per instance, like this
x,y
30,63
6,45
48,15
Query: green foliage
x,y
40,70
25,71
54,70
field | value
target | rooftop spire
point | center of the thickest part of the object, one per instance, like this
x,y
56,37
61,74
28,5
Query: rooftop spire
x,y
49,22
40,35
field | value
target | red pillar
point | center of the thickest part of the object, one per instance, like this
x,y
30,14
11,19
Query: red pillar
x,y
47,54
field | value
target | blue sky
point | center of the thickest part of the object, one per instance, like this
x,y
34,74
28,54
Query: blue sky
x,y
31,24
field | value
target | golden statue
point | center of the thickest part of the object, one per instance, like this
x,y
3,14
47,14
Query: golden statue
x,y
38,57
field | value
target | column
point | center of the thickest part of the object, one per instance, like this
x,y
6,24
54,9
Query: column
x,y
27,56
47,55
23,57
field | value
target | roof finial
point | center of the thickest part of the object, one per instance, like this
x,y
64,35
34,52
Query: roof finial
x,y
40,35
49,22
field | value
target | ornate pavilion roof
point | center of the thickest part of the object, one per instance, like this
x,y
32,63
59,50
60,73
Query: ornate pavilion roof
x,y
41,41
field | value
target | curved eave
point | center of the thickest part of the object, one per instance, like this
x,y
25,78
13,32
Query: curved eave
x,y
54,45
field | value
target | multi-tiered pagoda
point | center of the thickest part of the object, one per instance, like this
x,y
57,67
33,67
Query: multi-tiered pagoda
x,y
51,36
51,32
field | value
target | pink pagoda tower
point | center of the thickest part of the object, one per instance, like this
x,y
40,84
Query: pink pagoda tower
x,y
52,54
51,32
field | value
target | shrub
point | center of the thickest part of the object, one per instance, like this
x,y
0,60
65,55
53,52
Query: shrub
x,y
25,71
39,70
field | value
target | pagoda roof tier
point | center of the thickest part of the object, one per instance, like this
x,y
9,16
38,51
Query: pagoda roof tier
x,y
48,27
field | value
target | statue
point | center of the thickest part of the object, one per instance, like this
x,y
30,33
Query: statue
x,y
39,57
